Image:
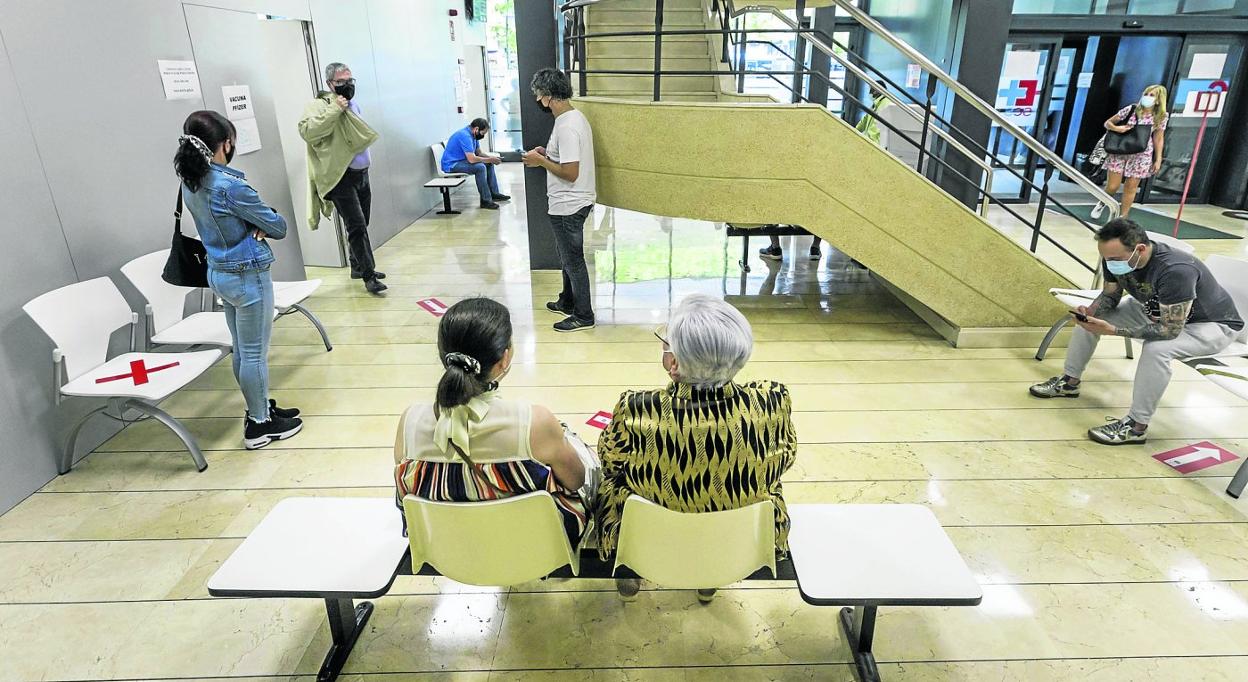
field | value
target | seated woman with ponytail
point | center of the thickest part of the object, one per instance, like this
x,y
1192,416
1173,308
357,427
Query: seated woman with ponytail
x,y
470,444
234,224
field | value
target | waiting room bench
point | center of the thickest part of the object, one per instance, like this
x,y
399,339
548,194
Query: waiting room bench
x,y
860,557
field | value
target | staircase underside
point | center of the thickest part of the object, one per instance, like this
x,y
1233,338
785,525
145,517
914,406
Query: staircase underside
x,y
799,164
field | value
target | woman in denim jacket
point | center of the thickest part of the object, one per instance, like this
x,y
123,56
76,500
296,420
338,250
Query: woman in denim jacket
x,y
234,225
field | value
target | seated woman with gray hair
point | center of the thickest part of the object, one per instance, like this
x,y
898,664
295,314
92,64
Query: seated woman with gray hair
x,y
704,443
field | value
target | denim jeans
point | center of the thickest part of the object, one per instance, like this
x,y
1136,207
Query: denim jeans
x,y
487,181
570,245
248,298
353,199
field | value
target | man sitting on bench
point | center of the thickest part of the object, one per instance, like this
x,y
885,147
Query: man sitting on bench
x,y
463,155
1177,309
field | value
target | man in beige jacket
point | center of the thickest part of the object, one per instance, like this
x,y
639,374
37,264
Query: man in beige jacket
x,y
338,161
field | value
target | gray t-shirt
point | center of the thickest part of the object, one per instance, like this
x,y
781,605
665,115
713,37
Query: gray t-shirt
x,y
571,140
1172,276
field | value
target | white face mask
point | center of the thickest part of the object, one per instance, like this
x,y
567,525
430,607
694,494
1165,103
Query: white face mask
x,y
1147,101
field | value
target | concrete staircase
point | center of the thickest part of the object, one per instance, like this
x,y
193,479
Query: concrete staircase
x,y
680,53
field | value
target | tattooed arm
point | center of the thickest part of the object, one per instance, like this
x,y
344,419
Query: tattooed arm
x,y
1168,326
1107,300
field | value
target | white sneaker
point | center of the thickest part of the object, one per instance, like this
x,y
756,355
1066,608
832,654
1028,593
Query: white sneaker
x,y
1098,211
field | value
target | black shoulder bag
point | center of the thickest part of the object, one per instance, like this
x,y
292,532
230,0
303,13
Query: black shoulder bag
x,y
188,260
1131,142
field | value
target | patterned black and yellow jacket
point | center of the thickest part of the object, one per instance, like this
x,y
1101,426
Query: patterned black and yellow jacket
x,y
697,450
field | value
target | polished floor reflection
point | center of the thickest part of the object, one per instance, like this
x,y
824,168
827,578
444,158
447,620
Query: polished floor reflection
x,y
1097,563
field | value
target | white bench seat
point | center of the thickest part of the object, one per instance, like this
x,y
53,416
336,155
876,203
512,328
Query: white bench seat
x,y
340,549
445,182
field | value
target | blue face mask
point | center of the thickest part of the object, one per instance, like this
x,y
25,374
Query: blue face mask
x,y
1119,268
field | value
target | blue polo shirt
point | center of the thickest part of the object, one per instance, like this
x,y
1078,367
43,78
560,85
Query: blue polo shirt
x,y
458,148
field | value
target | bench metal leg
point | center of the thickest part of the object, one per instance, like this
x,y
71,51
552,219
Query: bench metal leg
x,y
175,426
745,254
858,623
1241,479
446,203
67,456
1130,349
1048,338
346,622
315,323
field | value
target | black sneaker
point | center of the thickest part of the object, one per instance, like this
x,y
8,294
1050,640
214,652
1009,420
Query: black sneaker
x,y
554,307
275,411
283,412
815,253
490,205
572,324
258,435
502,197
376,273
374,286
771,253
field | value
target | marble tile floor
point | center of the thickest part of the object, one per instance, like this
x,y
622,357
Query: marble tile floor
x,y
1097,563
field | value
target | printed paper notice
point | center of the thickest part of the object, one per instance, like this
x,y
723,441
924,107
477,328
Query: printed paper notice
x,y
1207,65
1085,80
913,74
239,109
180,79
1020,65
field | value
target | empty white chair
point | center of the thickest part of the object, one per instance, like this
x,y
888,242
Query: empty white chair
x,y
1232,274
696,550
166,305
1073,298
80,319
497,543
288,297
445,182
1235,380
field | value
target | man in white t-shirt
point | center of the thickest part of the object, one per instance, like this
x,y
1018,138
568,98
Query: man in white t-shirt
x,y
570,192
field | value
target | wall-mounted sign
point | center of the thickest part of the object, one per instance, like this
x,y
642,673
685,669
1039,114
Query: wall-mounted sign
x,y
180,79
239,108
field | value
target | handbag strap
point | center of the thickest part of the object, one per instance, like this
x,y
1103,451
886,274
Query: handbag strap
x,y
177,213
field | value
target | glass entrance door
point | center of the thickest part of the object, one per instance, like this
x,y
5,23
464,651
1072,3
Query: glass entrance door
x,y
1024,97
1206,63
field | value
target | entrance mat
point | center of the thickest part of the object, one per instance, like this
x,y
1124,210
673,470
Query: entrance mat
x,y
1153,222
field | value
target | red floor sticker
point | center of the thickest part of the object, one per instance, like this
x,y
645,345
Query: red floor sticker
x,y
138,372
433,306
1195,457
600,420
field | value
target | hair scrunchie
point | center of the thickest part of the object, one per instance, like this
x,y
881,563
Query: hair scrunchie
x,y
465,362
199,145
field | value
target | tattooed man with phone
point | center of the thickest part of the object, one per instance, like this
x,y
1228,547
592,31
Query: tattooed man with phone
x,y
1176,308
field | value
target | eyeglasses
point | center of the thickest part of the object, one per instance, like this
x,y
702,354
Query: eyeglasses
x,y
660,333
339,81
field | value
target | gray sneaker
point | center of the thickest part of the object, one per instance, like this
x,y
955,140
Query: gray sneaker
x,y
1117,432
1055,388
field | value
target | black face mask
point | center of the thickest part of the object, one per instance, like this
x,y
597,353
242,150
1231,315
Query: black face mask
x,y
543,107
479,136
229,156
346,90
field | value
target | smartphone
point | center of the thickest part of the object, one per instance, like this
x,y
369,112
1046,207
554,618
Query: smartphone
x,y
1079,316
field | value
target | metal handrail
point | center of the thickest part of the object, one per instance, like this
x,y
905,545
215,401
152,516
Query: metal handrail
x,y
823,47
869,23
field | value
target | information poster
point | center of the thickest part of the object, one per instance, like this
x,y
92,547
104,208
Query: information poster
x,y
240,109
180,79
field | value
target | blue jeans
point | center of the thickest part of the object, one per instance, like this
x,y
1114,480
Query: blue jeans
x,y
248,298
487,182
569,231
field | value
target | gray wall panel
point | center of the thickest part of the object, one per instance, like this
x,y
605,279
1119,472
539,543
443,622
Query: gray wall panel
x,y
86,110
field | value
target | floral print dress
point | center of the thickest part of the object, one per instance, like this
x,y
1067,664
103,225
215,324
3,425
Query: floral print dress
x,y
1135,165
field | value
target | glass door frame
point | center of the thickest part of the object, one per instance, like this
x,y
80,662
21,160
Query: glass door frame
x,y
1052,44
